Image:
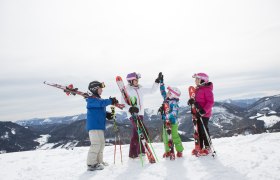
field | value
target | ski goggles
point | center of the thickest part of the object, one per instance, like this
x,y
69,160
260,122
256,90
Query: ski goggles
x,y
138,75
102,85
196,76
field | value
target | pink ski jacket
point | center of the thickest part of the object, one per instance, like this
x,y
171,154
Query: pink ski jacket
x,y
205,98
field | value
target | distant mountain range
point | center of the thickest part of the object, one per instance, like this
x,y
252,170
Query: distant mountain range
x,y
230,117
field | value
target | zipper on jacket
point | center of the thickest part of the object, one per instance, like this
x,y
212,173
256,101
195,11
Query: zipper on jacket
x,y
138,99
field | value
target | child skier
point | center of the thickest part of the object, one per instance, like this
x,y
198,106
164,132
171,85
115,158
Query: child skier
x,y
172,98
204,101
134,89
95,123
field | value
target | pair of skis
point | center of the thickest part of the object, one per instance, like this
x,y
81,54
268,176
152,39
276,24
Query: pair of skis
x,y
144,139
167,126
70,90
195,118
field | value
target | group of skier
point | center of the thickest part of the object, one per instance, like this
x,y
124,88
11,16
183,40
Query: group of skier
x,y
96,117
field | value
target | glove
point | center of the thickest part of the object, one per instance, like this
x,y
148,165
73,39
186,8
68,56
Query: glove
x,y
109,116
201,112
190,101
133,110
114,100
199,109
159,79
160,110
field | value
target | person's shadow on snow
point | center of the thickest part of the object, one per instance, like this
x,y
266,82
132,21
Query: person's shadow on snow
x,y
214,169
88,175
175,169
134,169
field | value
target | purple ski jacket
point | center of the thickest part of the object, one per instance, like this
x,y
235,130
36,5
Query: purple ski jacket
x,y
205,98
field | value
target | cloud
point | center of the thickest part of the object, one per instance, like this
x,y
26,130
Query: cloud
x,y
65,42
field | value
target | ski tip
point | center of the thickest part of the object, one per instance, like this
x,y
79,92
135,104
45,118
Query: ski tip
x,y
191,88
118,78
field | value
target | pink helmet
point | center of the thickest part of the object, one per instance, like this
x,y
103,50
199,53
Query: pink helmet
x,y
202,76
175,92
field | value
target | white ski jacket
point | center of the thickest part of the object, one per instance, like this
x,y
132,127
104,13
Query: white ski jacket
x,y
139,92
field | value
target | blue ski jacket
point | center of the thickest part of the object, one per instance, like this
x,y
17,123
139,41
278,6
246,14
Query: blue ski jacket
x,y
172,115
96,113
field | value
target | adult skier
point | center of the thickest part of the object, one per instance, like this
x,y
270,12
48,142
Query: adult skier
x,y
134,89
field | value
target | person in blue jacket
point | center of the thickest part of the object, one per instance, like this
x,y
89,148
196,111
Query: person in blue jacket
x,y
96,124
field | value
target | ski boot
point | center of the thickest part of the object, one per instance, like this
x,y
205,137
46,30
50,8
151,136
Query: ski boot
x,y
166,155
179,154
172,156
203,152
94,167
195,152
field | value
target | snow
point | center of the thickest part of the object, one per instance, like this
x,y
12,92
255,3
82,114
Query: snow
x,y
228,101
5,136
258,115
13,131
181,132
269,121
47,120
221,115
217,124
43,139
150,111
218,110
241,157
265,109
75,118
47,146
272,112
109,125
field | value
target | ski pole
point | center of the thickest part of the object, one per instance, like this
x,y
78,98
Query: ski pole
x,y
120,146
117,133
115,150
208,138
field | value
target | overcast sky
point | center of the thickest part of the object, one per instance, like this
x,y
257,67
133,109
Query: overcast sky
x,y
237,43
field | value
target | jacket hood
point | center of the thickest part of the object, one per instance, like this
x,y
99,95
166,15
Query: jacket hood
x,y
207,85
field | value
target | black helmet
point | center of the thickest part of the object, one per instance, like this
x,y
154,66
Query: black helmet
x,y
95,85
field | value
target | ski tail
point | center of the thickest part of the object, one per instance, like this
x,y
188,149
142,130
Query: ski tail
x,y
197,148
169,132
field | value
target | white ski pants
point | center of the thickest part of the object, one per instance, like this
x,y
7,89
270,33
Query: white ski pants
x,y
97,141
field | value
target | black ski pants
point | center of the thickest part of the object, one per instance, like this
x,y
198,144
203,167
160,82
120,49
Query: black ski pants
x,y
202,136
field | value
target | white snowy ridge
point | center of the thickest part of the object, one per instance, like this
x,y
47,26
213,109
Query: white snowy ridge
x,y
242,157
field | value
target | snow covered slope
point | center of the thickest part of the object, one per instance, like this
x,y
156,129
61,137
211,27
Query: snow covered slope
x,y
241,157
